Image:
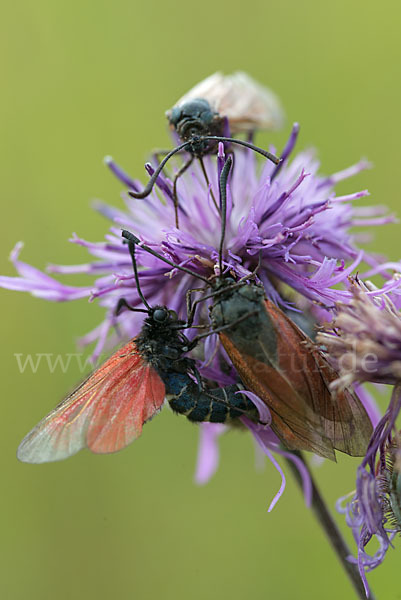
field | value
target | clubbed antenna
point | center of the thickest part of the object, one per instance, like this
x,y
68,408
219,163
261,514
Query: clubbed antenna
x,y
223,203
132,239
189,146
131,246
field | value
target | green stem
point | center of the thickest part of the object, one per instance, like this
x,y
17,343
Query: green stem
x,y
331,530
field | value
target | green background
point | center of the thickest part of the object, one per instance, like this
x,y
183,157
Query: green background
x,y
84,79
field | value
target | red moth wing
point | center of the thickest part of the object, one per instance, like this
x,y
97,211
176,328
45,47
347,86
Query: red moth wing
x,y
105,413
124,406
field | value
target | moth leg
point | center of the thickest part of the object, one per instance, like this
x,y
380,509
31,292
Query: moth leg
x,y
222,328
180,172
202,164
158,153
191,307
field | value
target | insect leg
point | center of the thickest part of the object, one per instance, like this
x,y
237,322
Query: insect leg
x,y
252,274
222,328
148,188
191,307
161,152
264,153
180,172
202,164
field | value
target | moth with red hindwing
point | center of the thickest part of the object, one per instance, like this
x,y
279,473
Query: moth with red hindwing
x,y
108,410
278,362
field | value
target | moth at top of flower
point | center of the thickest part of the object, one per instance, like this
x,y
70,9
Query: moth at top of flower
x,y
246,104
213,111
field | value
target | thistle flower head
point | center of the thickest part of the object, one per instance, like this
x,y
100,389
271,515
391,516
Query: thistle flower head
x,y
364,338
374,509
285,219
284,216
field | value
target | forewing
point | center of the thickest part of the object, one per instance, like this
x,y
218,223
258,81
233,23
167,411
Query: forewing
x,y
295,424
247,104
343,418
105,413
123,408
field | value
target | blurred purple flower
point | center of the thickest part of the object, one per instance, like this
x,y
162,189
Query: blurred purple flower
x,y
364,343
208,451
374,510
268,442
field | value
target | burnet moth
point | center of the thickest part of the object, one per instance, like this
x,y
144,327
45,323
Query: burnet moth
x,y
246,104
108,410
278,362
211,112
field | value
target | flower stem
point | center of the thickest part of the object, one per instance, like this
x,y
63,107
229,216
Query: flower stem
x,y
332,531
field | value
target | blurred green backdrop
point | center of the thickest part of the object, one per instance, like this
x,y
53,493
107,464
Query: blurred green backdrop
x,y
85,79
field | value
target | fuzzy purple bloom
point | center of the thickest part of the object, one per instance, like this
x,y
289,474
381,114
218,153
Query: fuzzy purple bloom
x,y
287,214
364,339
287,217
364,343
374,510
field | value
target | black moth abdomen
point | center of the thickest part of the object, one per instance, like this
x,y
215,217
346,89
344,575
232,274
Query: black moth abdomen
x,y
216,406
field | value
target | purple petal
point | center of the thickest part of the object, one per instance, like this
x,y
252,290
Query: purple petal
x,y
208,451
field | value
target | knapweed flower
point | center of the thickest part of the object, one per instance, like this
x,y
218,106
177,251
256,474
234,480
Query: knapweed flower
x,y
286,220
374,508
364,342
289,216
364,338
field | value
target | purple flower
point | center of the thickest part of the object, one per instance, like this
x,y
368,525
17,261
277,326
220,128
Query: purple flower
x,y
208,451
287,214
267,441
364,339
288,217
374,509
364,343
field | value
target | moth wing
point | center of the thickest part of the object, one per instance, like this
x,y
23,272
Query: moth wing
x,y
247,104
105,413
294,423
343,417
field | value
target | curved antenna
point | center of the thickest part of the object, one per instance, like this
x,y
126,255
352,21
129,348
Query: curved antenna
x,y
131,246
223,203
264,153
132,239
148,188
122,303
